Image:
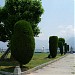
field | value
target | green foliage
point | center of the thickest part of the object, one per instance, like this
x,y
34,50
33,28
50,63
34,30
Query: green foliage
x,y
0,14
53,45
62,39
22,43
2,29
3,36
15,10
67,47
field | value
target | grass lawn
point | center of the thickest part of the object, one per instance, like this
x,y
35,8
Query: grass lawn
x,y
38,58
0,54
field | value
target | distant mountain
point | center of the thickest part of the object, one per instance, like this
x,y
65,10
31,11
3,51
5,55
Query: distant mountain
x,y
71,42
39,44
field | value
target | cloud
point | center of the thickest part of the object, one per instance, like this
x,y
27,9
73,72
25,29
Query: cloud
x,y
41,36
66,31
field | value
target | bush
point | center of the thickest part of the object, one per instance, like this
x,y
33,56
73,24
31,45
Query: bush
x,y
53,45
22,42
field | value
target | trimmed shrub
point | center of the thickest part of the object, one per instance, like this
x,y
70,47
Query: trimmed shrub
x,y
22,42
65,48
60,45
53,45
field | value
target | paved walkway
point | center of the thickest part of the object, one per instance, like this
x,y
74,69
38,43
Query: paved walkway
x,y
64,66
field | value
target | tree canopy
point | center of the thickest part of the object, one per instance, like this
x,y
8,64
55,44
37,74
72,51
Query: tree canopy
x,y
15,10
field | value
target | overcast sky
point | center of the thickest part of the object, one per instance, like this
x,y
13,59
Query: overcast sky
x,y
58,19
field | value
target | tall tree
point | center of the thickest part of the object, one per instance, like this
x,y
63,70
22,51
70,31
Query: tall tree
x,y
65,48
61,42
60,45
15,10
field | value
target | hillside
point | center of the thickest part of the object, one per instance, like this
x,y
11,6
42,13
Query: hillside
x,y
71,42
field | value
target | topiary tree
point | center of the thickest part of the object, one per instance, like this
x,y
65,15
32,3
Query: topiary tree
x,y
22,42
65,48
53,45
60,45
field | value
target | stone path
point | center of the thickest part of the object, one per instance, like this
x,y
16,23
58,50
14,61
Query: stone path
x,y
64,66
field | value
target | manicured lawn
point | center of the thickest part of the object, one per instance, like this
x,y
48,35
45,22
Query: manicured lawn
x,y
38,58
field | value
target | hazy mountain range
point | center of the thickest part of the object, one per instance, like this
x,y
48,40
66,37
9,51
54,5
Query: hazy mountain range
x,y
45,43
71,42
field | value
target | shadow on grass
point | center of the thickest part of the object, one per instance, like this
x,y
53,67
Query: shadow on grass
x,y
9,69
9,65
8,62
38,59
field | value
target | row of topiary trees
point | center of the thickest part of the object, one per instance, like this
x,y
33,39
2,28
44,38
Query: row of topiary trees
x,y
54,44
22,43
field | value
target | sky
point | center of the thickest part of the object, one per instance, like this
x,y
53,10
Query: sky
x,y
57,20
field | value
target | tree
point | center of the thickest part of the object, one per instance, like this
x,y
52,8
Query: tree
x,y
15,10
60,45
22,43
68,47
53,45
65,48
